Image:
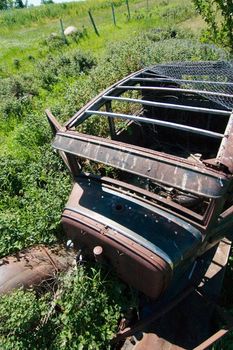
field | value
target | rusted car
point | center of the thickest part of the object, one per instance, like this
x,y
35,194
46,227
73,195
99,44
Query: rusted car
x,y
151,159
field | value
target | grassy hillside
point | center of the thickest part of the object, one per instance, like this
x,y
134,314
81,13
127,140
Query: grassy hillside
x,y
39,70
24,35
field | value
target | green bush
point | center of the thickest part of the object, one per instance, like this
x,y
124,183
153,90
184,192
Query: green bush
x,y
33,196
20,315
54,42
218,14
16,95
81,313
54,69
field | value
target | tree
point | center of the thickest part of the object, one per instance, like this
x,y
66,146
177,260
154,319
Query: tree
x,y
46,2
9,4
3,5
18,4
218,14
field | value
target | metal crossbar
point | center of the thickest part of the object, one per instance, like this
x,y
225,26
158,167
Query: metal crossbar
x,y
157,122
159,88
169,80
169,105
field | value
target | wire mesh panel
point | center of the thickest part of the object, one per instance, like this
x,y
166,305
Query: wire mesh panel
x,y
216,77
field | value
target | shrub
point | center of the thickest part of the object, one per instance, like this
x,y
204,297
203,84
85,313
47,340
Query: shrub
x,y
55,68
16,95
54,42
33,196
218,14
20,314
82,313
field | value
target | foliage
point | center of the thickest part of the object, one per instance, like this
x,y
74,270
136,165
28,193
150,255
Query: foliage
x,y
33,194
9,4
16,95
81,313
50,11
218,15
55,69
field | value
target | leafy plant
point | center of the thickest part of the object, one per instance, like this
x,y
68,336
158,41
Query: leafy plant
x,y
82,312
218,14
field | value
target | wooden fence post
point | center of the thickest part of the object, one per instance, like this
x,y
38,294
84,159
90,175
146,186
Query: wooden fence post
x,y
93,23
62,32
127,4
113,14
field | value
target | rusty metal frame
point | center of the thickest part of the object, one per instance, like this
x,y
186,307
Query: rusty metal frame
x,y
86,146
128,158
91,216
168,105
117,89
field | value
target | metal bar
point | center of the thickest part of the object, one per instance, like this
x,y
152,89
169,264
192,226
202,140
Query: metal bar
x,y
190,71
128,9
227,133
110,121
93,23
130,87
158,122
213,339
77,117
169,105
113,14
172,80
54,124
151,74
224,155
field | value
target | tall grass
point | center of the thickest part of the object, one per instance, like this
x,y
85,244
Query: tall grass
x,y
41,13
14,18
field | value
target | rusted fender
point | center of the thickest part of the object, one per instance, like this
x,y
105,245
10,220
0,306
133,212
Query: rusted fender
x,y
29,268
149,341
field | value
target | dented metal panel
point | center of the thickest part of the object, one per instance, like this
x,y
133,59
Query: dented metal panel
x,y
121,213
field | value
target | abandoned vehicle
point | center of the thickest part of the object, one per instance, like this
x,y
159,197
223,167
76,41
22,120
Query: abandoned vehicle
x,y
151,159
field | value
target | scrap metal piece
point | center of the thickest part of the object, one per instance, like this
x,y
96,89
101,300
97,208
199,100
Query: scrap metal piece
x,y
32,266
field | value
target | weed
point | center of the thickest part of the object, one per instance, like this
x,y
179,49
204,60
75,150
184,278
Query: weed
x,y
82,313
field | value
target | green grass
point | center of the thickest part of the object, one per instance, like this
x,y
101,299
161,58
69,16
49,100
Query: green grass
x,y
25,36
